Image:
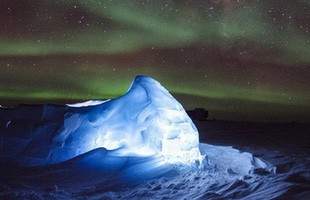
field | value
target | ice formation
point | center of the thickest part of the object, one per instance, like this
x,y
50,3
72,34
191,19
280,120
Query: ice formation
x,y
146,121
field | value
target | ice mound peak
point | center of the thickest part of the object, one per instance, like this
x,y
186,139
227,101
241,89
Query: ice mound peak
x,y
147,120
167,129
154,92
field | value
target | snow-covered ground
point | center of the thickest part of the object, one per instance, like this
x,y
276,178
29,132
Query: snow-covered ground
x,y
97,175
139,146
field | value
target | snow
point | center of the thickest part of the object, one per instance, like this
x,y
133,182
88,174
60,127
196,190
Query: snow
x,y
142,144
230,160
87,103
146,121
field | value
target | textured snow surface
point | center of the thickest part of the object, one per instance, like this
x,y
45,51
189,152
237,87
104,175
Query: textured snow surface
x,y
142,145
146,121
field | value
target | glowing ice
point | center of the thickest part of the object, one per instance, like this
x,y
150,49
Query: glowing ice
x,y
147,120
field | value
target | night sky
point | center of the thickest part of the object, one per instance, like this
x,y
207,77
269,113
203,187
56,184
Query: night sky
x,y
240,59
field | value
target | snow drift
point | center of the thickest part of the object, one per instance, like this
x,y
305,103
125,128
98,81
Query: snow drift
x,y
146,121
139,145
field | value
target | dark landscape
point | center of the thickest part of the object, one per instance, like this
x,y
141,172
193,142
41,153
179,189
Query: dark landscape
x,y
285,146
154,99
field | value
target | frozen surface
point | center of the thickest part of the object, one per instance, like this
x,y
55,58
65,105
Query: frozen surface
x,y
146,121
87,103
141,145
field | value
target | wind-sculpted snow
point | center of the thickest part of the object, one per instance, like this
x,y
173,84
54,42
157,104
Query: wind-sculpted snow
x,y
140,145
146,121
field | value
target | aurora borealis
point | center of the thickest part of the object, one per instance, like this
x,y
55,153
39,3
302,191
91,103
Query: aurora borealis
x,y
240,59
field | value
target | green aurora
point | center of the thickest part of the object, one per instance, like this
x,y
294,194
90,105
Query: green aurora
x,y
242,60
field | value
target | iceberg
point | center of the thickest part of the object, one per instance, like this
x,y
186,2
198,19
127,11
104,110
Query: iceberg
x,y
146,121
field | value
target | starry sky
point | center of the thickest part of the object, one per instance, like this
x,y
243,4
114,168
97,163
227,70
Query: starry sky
x,y
239,59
